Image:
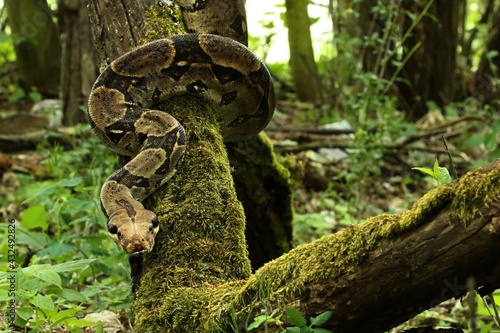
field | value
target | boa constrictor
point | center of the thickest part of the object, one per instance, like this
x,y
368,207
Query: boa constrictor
x,y
219,70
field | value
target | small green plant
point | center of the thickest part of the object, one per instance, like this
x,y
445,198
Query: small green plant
x,y
36,288
440,174
17,93
300,323
488,307
265,319
294,318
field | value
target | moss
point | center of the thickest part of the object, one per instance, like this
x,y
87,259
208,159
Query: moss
x,y
201,228
341,253
161,22
475,190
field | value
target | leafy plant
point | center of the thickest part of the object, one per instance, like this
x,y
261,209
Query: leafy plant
x,y
294,318
264,319
36,286
300,323
440,174
60,231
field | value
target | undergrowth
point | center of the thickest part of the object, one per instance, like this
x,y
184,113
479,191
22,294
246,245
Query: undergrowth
x,y
65,266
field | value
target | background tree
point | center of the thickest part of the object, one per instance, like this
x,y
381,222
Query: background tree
x,y
37,45
425,39
430,74
79,64
486,78
302,63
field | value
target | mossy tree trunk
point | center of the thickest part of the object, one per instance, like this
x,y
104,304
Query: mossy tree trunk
x,y
38,51
302,63
264,186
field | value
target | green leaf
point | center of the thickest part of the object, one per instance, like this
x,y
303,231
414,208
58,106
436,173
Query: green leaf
x,y
294,329
70,182
72,295
56,249
44,272
257,321
35,96
426,171
490,141
443,176
16,95
32,238
295,317
34,217
70,266
25,313
81,323
4,295
435,169
487,327
27,286
42,302
63,315
474,141
321,319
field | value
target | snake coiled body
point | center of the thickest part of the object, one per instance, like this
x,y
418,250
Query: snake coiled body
x,y
219,70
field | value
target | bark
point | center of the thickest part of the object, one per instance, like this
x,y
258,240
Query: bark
x,y
485,83
304,72
79,64
430,73
264,186
38,51
117,27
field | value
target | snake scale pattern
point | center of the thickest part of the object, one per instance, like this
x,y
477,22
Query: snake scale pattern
x,y
212,63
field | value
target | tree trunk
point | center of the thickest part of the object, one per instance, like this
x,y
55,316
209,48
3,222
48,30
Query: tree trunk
x,y
117,27
38,51
485,86
263,185
302,63
79,64
430,73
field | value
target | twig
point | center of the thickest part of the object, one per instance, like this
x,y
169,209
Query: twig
x,y
453,166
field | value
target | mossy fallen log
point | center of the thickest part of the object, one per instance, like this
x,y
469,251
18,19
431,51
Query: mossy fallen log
x,y
372,276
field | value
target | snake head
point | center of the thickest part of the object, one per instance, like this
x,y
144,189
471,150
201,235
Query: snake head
x,y
135,235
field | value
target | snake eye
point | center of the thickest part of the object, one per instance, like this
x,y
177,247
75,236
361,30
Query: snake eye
x,y
112,229
155,222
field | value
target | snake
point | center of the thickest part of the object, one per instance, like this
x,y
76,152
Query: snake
x,y
210,62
